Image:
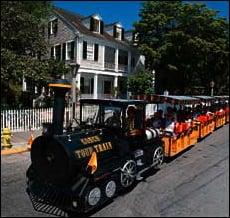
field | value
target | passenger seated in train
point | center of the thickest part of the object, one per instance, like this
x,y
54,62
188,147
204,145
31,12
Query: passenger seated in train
x,y
157,121
170,121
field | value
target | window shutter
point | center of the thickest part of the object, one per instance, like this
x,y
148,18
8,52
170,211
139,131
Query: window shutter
x,y
114,31
92,85
126,60
95,52
84,50
72,50
91,24
101,27
122,34
82,85
133,36
58,52
49,28
55,24
63,51
52,52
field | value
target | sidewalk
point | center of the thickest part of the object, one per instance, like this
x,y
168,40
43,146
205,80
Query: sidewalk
x,y
19,141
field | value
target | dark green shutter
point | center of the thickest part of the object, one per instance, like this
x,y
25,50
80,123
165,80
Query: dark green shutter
x,y
92,85
82,85
96,52
52,52
84,50
72,50
49,28
55,24
114,31
63,51
101,27
91,24
58,52
122,34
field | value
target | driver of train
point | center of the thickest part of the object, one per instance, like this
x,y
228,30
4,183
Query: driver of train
x,y
115,119
130,119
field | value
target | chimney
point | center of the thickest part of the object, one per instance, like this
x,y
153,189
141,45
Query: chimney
x,y
60,87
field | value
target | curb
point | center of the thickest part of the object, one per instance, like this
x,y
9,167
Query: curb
x,y
15,150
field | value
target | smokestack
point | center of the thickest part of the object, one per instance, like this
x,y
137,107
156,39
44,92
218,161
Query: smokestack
x,y
60,87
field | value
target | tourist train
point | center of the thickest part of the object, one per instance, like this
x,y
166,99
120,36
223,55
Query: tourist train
x,y
78,169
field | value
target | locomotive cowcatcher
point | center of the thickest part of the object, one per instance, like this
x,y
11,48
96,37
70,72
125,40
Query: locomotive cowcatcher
x,y
79,169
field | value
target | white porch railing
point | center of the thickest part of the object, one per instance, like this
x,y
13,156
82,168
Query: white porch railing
x,y
122,67
109,66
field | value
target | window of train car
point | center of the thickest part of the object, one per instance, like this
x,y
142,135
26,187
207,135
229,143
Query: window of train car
x,y
90,114
112,116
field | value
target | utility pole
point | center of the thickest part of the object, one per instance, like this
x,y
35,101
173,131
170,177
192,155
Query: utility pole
x,y
212,85
75,70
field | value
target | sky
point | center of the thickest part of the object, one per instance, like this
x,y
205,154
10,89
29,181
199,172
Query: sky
x,y
125,12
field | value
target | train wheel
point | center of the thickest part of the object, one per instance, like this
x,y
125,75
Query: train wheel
x,y
158,157
128,173
93,196
110,189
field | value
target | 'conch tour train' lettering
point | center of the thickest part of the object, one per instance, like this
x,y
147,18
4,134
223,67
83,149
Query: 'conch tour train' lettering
x,y
90,140
98,148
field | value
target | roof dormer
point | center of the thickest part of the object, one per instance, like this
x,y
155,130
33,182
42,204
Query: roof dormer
x,y
94,23
118,31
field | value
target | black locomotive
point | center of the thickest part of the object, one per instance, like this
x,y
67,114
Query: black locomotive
x,y
80,169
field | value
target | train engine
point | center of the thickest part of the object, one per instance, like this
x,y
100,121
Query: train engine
x,y
76,171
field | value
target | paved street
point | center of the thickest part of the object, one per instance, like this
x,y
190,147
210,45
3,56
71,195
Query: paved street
x,y
194,184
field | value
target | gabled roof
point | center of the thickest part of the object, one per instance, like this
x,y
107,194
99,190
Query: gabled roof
x,y
75,20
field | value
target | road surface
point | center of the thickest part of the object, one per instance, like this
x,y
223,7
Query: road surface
x,y
194,184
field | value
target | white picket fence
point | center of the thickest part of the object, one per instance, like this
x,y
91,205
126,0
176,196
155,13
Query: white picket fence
x,y
29,119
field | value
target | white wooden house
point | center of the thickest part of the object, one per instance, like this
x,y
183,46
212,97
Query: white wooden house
x,y
103,51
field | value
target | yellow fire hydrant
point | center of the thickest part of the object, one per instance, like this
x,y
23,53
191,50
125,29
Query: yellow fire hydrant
x,y
5,138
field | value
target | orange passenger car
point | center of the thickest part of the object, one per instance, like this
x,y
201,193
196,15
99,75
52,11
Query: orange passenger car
x,y
185,132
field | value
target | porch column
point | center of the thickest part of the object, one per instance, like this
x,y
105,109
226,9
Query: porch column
x,y
116,60
129,61
95,82
102,56
115,84
78,77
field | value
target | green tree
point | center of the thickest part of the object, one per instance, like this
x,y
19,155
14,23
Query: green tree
x,y
23,46
141,82
187,45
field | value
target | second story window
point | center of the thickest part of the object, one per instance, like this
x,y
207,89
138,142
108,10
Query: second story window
x,y
55,52
53,27
70,53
